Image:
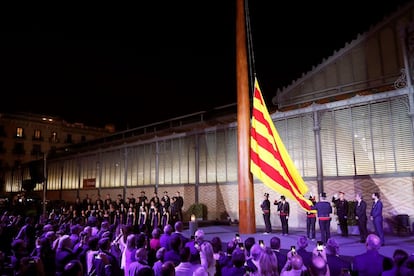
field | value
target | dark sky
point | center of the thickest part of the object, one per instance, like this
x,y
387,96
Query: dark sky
x,y
140,63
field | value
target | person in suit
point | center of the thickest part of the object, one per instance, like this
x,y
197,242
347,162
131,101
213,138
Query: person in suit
x,y
275,245
265,206
341,205
371,262
361,216
376,216
283,210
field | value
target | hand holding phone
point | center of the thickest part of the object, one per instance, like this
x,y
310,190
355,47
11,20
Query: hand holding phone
x,y
261,243
319,246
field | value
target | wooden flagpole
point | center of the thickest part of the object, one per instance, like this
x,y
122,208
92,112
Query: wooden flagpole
x,y
247,221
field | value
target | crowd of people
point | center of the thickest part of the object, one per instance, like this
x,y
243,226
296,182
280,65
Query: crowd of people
x,y
84,240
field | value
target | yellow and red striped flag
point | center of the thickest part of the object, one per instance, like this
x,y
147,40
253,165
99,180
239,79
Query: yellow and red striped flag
x,y
270,161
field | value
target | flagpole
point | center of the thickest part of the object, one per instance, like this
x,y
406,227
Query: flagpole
x,y
247,221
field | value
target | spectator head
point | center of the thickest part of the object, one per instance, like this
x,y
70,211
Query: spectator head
x,y
73,268
178,226
104,244
256,251
199,235
302,242
238,258
296,261
318,266
141,255
156,233
217,244
65,242
332,247
47,227
159,255
267,263
373,242
131,241
93,243
275,243
51,235
168,229
248,243
168,269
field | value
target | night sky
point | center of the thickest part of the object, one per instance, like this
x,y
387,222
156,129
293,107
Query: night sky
x,y
136,64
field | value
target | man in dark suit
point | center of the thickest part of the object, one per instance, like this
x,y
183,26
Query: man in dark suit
x,y
376,216
361,216
281,257
265,206
371,262
341,205
283,209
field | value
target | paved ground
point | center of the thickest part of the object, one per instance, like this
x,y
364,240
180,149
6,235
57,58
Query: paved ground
x,y
349,246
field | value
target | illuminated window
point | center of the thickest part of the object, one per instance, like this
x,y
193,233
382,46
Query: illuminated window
x,y
37,135
19,132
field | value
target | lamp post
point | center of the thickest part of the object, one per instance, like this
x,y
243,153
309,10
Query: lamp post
x,y
44,184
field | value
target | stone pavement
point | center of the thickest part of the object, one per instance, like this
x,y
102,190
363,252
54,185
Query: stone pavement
x,y
349,246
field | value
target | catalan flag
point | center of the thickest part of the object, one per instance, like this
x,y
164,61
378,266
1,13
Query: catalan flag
x,y
270,161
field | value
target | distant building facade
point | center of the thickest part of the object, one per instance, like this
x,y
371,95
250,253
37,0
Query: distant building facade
x,y
27,137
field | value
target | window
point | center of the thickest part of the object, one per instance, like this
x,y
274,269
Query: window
x,y
37,135
19,149
69,138
2,148
19,132
2,131
37,150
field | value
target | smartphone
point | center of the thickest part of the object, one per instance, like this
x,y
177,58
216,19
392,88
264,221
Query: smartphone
x,y
293,249
261,243
241,245
237,236
192,237
319,246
